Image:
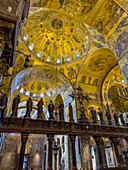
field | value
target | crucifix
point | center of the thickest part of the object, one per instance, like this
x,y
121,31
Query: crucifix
x,y
80,96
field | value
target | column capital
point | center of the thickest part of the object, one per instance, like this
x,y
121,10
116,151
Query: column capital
x,y
98,140
50,137
24,136
114,140
72,138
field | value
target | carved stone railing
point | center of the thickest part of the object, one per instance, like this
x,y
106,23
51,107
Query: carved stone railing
x,y
40,126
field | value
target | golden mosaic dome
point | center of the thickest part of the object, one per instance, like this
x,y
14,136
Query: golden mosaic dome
x,y
55,38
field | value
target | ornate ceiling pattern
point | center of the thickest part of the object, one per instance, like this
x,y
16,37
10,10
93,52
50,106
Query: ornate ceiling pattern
x,y
100,15
93,71
61,39
112,89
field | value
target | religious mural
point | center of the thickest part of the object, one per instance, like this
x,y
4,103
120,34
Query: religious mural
x,y
121,43
123,4
63,37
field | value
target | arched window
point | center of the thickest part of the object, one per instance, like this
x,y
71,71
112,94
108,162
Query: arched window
x,y
27,93
17,87
48,59
117,79
76,53
84,47
23,26
31,47
25,37
42,95
48,94
87,38
67,58
21,90
58,60
39,54
34,95
123,81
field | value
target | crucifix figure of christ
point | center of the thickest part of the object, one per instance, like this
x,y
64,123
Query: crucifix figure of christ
x,y
80,96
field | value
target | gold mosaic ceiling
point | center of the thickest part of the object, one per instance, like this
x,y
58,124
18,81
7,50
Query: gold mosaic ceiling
x,y
55,38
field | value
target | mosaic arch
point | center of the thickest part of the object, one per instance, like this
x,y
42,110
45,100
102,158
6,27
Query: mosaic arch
x,y
40,74
113,79
92,73
40,82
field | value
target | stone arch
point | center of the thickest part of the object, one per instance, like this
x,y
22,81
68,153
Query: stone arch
x,y
46,78
92,73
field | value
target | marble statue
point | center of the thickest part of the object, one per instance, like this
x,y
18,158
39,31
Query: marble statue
x,y
61,111
29,107
100,113
15,104
115,118
70,112
40,108
108,115
122,119
3,105
3,100
50,109
93,115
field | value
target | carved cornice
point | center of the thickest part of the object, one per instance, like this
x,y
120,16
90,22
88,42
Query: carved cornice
x,y
50,137
65,128
8,16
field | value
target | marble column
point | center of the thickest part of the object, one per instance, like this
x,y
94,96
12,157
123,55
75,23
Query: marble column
x,y
55,161
127,142
115,145
50,143
73,152
86,162
69,154
101,152
24,138
8,154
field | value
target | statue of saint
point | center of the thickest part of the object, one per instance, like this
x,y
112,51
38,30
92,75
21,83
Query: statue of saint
x,y
15,104
61,111
3,100
70,112
122,119
115,118
3,105
93,115
40,108
108,115
50,109
100,113
29,107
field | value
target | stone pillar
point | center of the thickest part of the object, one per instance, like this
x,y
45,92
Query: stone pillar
x,y
24,138
73,152
115,145
101,152
55,161
127,142
86,162
8,154
69,154
50,143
